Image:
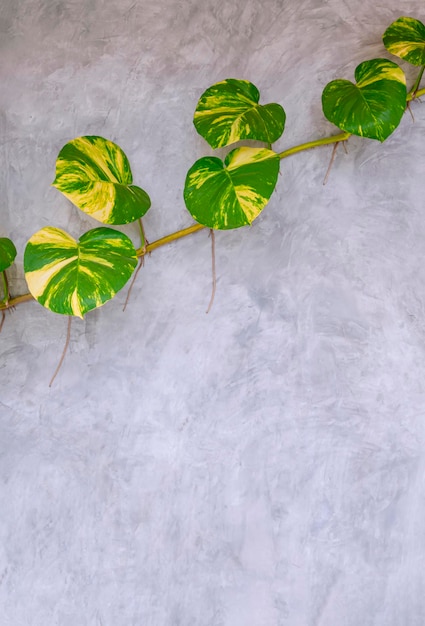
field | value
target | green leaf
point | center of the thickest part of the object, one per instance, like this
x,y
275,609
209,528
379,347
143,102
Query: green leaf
x,y
72,278
7,253
232,194
95,175
374,106
229,111
405,38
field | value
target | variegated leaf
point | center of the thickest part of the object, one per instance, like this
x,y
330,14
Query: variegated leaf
x,y
94,173
231,194
371,108
405,38
7,253
71,277
229,111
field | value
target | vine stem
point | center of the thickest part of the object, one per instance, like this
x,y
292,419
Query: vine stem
x,y
314,144
6,293
26,297
415,95
415,87
168,239
142,234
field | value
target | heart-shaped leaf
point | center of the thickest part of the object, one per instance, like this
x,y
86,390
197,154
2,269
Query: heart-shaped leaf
x,y
72,278
95,175
374,106
405,38
7,253
229,111
230,195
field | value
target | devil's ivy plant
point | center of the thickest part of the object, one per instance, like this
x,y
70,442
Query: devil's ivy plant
x,y
72,278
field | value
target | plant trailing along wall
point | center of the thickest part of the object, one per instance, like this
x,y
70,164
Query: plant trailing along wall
x,y
72,277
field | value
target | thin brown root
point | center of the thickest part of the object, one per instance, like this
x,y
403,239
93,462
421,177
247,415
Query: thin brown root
x,y
68,336
331,162
409,108
141,263
344,143
3,317
214,275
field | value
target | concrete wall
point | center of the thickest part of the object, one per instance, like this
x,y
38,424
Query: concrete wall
x,y
261,465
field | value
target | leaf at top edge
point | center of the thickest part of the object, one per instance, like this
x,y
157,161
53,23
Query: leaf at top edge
x,y
7,253
405,38
374,106
71,277
231,194
229,111
94,173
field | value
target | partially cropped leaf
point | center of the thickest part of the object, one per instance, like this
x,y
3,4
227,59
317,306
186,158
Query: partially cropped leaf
x,y
231,194
71,277
7,253
229,111
95,175
374,106
405,38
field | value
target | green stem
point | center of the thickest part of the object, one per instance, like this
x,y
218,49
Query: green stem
x,y
26,297
142,234
413,91
6,293
168,239
314,144
417,94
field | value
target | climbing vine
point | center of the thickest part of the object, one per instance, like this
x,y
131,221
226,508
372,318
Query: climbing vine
x,y
72,277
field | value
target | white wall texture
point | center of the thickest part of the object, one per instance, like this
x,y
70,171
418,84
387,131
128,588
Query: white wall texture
x,y
262,465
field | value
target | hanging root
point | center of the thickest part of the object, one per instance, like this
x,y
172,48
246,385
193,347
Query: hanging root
x,y
214,276
141,263
328,171
68,336
3,317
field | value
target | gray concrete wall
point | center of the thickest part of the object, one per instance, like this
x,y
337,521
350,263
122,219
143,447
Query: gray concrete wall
x,y
261,465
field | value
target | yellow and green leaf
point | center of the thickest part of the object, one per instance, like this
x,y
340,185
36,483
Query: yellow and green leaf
x,y
405,38
229,111
71,277
7,253
374,106
231,194
94,173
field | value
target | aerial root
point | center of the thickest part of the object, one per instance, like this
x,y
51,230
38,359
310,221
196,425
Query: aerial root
x,y
141,263
214,276
64,351
328,171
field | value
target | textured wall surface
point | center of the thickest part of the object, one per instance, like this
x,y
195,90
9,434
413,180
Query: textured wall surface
x,y
262,465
